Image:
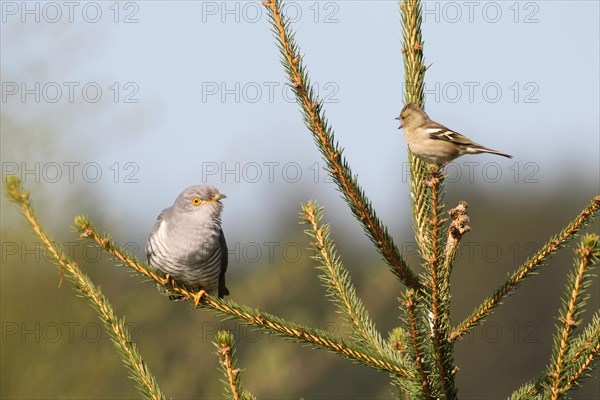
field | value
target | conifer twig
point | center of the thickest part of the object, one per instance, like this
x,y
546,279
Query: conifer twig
x,y
316,122
414,86
438,303
583,352
458,227
410,304
584,347
527,268
247,315
426,188
412,50
588,254
583,364
337,281
529,391
115,326
225,345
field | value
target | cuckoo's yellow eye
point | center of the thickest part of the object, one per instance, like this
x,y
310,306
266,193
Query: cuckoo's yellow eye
x,y
196,201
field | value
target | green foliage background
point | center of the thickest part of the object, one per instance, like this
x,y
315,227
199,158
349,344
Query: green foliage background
x,y
175,340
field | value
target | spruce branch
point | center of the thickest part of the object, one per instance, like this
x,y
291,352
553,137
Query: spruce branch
x,y
438,300
529,391
120,335
336,280
584,352
398,340
578,353
525,270
458,227
585,344
412,50
426,188
414,85
337,166
225,345
249,316
410,305
587,257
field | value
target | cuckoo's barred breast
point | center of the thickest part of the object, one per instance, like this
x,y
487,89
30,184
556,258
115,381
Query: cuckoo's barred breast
x,y
201,274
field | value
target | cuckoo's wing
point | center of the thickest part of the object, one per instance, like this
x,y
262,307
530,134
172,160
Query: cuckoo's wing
x,y
155,228
223,291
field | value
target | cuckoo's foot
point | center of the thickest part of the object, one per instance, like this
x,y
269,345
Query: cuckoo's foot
x,y
198,296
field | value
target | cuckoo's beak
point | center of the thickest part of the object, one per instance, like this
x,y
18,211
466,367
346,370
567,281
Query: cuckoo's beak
x,y
219,197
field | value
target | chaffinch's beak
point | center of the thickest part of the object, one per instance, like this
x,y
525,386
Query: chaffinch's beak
x,y
398,118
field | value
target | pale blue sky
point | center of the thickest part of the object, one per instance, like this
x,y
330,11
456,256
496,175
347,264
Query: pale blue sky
x,y
543,56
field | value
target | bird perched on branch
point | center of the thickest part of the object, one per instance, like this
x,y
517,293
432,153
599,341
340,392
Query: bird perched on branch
x,y
187,242
433,142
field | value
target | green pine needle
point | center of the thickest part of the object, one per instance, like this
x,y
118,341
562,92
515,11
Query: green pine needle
x,y
340,290
225,345
587,256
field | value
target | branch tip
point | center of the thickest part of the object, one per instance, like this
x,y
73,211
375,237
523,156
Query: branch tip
x,y
316,122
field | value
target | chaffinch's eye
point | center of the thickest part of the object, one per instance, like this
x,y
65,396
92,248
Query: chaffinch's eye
x,y
196,201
